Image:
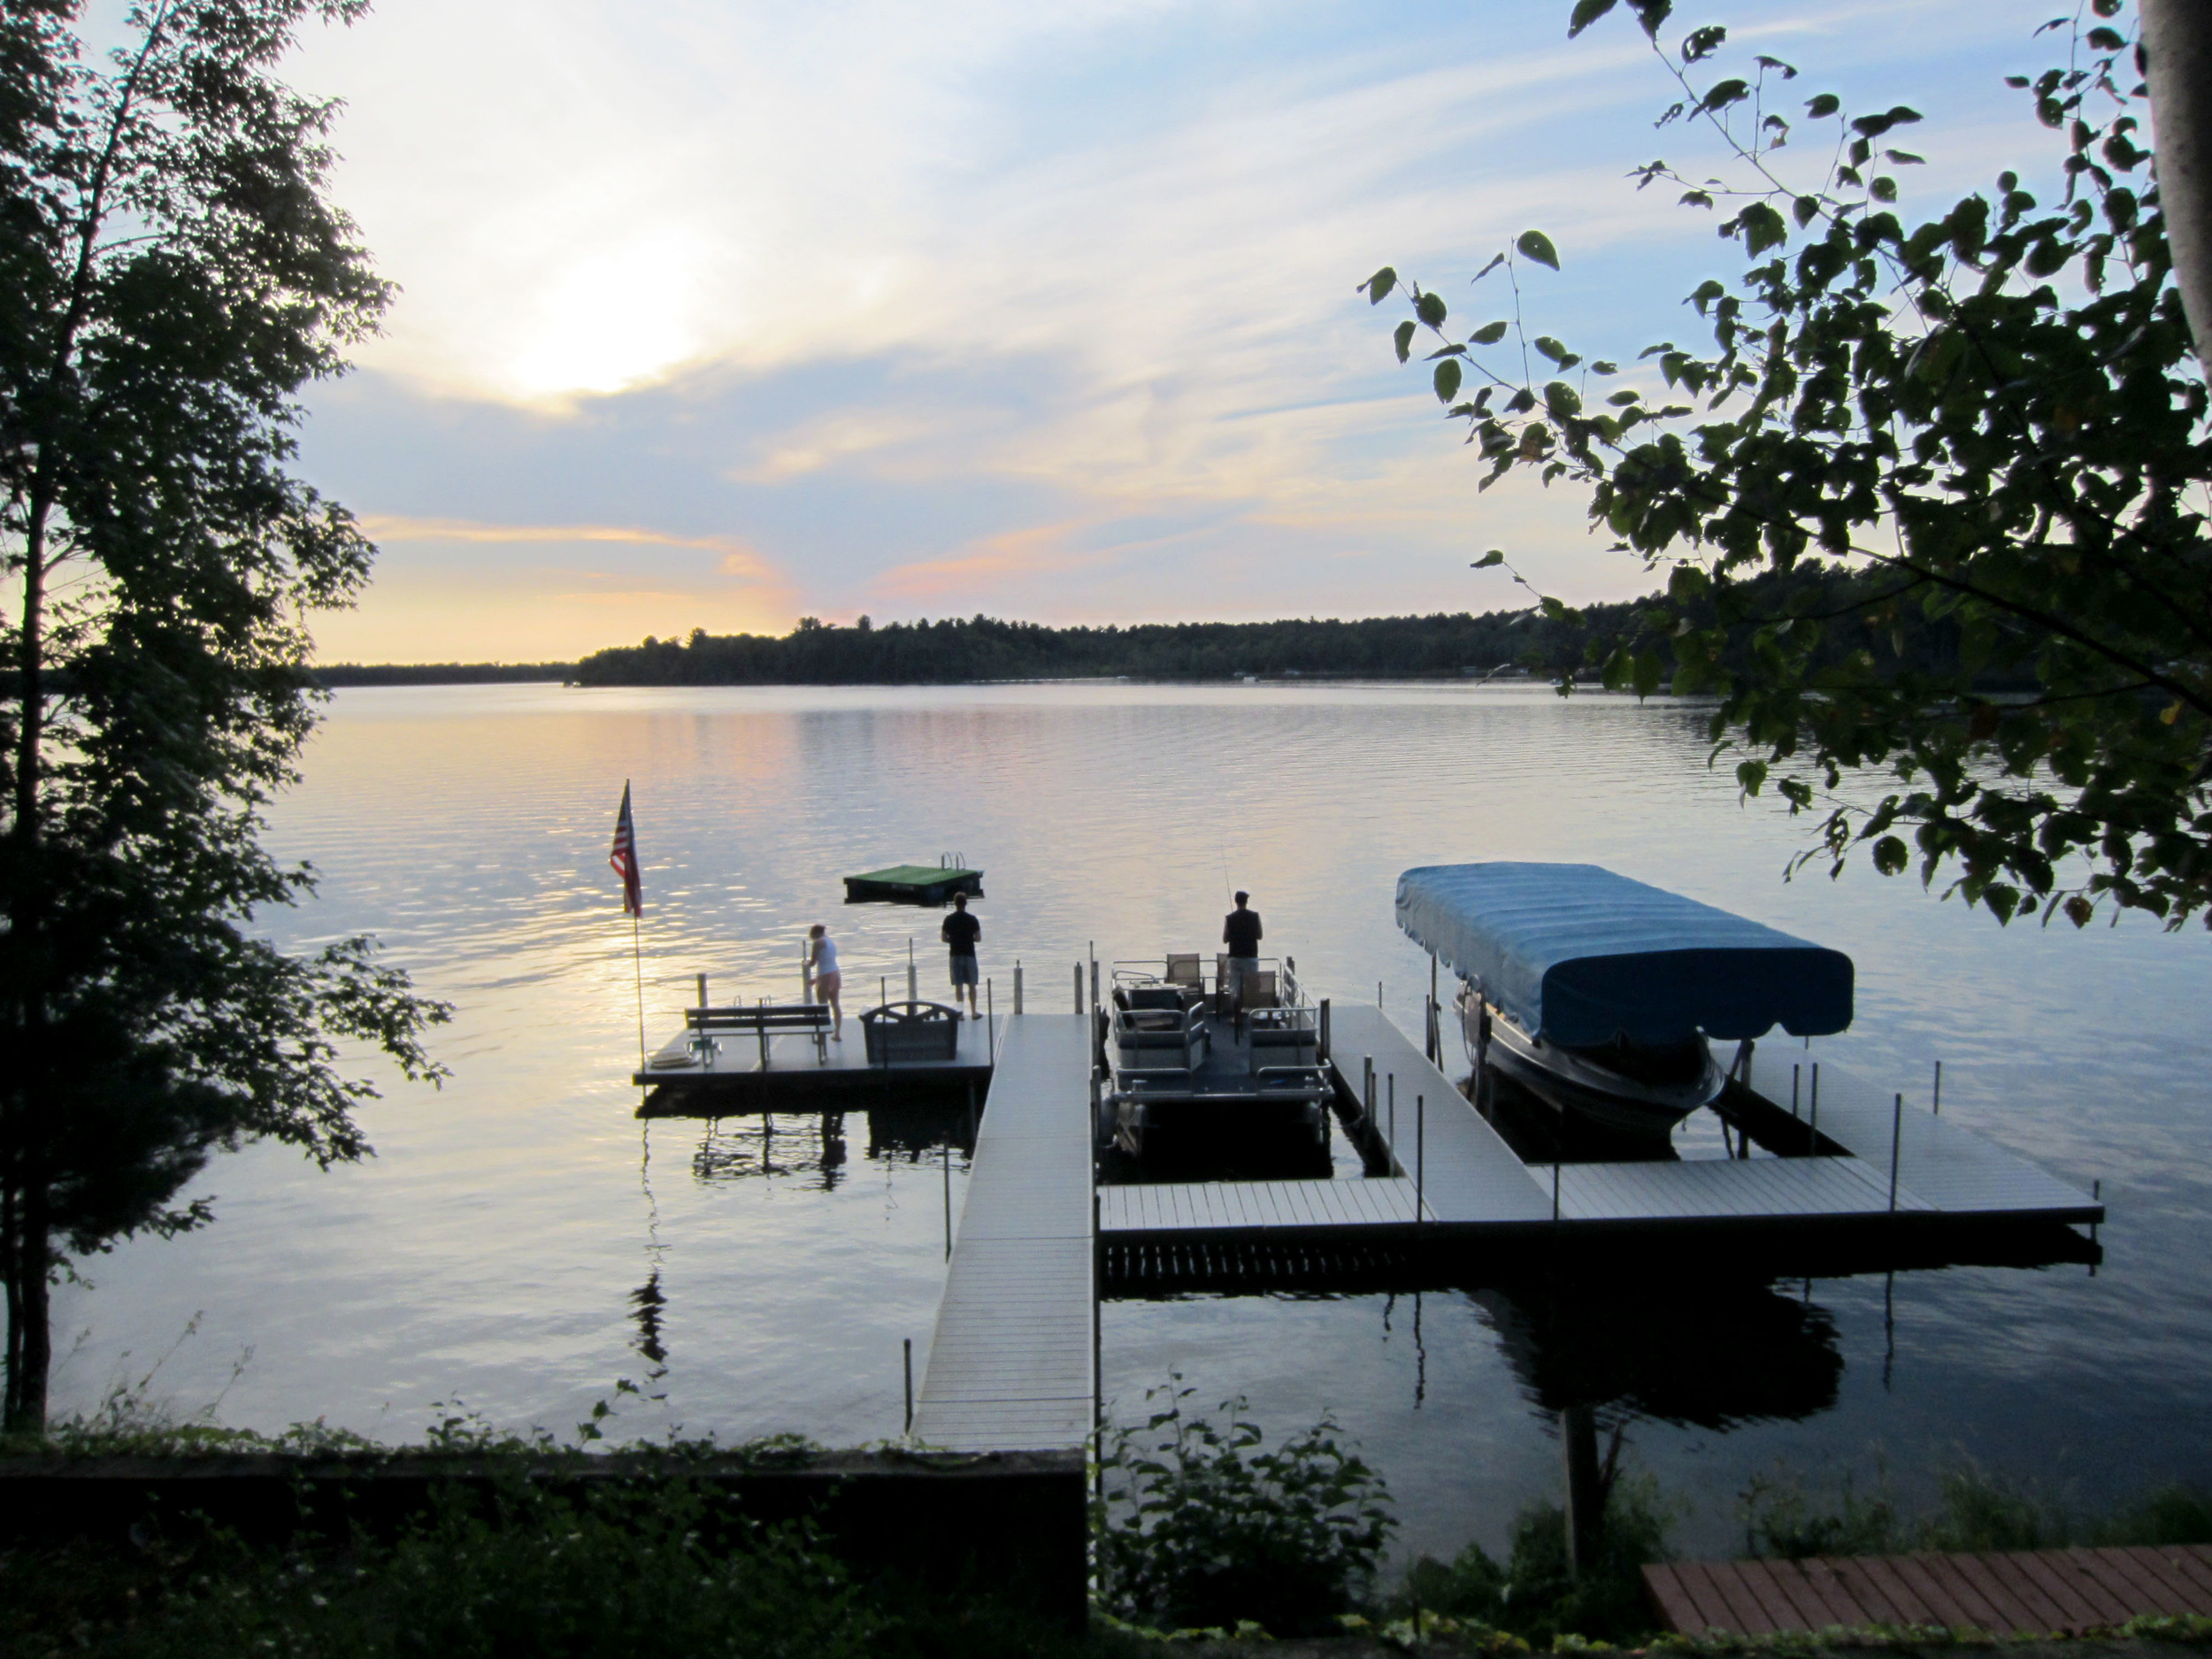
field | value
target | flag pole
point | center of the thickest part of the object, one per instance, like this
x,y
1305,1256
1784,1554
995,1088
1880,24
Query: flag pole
x,y
637,959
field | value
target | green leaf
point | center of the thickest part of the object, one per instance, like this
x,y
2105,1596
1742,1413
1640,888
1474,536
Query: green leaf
x,y
1534,245
1826,103
1702,43
1552,348
1891,856
1380,285
1762,228
1723,93
1403,338
1495,556
1430,308
1586,13
1448,378
1488,334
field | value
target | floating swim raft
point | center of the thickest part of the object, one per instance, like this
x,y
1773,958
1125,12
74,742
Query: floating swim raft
x,y
914,884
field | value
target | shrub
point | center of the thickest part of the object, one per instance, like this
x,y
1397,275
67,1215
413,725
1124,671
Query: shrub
x,y
1203,1526
1536,1595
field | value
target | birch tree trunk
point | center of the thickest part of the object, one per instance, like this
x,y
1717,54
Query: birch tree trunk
x,y
2178,44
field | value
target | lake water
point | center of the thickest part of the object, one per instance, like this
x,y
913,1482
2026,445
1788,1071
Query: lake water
x,y
522,1241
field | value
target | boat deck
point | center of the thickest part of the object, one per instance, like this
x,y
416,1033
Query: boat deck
x,y
1011,1365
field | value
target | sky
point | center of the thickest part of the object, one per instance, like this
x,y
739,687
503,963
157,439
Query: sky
x,y
716,314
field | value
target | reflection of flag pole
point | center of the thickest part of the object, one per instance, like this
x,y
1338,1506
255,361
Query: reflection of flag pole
x,y
624,860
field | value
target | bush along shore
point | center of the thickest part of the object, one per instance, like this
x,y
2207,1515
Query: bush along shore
x,y
1206,1533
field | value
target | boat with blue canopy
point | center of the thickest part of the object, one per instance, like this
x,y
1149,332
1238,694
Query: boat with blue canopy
x,y
1601,995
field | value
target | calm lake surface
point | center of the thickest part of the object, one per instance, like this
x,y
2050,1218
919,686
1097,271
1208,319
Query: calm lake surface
x,y
521,1241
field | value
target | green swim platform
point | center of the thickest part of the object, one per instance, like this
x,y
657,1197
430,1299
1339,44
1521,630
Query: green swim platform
x,y
914,884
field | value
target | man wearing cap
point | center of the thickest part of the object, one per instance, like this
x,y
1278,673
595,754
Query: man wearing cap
x,y
1240,932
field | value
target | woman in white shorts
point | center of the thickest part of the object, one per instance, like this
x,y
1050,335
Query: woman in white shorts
x,y
821,957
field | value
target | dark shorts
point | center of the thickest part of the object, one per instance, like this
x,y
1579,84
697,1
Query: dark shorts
x,y
963,971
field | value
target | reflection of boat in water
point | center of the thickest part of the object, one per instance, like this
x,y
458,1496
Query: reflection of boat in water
x,y
1185,1062
1710,1356
1600,994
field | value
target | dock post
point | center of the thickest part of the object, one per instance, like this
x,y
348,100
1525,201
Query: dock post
x,y
1367,1090
1896,1129
1390,1080
1078,990
912,993
908,1343
1379,994
1094,981
1098,1365
1321,1035
1018,985
1420,1155
703,990
1937,1107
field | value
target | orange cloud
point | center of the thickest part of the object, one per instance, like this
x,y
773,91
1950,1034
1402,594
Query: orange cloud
x,y
739,558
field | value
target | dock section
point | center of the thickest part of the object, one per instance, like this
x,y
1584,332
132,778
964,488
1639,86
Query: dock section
x,y
730,1079
1470,1186
1009,1367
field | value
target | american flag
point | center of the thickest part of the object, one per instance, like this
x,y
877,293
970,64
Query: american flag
x,y
624,858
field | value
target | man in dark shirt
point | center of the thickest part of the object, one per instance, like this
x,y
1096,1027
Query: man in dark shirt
x,y
961,931
1240,932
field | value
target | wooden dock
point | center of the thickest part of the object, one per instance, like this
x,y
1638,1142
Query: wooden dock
x,y
733,1081
1471,1186
2021,1593
1011,1365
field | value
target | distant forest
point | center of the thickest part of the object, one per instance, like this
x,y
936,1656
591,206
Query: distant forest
x,y
439,673
1500,642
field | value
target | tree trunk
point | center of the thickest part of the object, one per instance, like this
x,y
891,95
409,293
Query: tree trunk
x,y
2178,45
30,1337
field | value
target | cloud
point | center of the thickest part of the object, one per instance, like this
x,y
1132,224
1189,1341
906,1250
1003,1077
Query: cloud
x,y
1017,306
736,558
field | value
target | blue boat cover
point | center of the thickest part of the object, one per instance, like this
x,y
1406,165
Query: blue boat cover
x,y
1578,956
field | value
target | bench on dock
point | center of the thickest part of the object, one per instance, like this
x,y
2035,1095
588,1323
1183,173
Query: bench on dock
x,y
764,1020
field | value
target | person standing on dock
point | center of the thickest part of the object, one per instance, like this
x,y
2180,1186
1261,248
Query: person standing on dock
x,y
821,957
1240,932
961,931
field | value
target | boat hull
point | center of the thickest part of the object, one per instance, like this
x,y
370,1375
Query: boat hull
x,y
1572,1080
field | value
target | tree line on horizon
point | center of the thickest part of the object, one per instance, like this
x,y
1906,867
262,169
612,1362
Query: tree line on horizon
x,y
1502,643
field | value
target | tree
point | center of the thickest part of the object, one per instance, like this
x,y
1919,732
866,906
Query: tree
x,y
171,274
1998,411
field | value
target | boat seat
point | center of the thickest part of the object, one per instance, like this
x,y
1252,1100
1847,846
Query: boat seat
x,y
1182,970
1258,989
1168,997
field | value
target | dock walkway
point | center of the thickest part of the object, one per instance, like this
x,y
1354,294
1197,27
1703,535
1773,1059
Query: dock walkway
x,y
1010,1368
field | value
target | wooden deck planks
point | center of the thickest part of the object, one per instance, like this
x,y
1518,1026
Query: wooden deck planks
x,y
1009,1365
2011,1591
